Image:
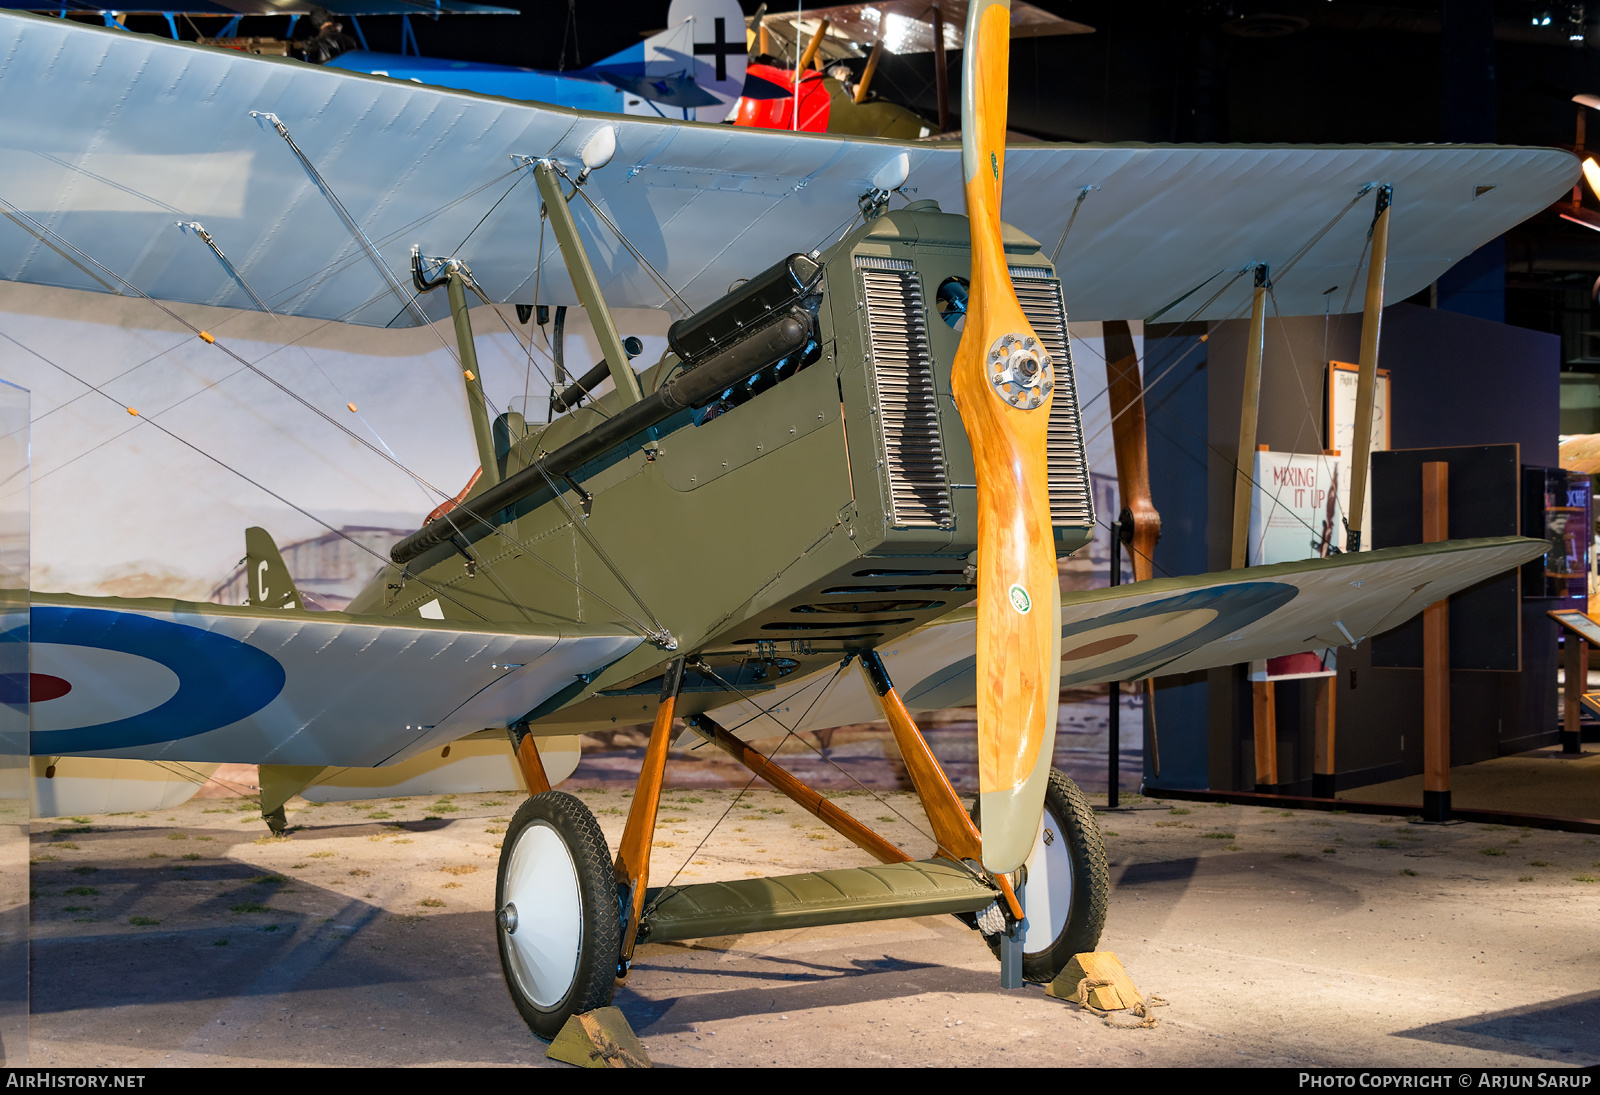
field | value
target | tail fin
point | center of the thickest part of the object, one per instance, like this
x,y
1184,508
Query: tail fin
x,y
270,584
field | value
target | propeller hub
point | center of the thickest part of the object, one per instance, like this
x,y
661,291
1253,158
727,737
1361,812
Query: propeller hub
x,y
1020,371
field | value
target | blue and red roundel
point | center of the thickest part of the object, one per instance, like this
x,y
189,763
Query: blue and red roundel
x,y
106,680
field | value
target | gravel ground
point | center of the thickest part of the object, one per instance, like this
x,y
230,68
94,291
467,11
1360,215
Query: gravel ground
x,y
186,937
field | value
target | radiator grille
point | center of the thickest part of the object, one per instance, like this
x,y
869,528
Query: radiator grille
x,y
1070,500
902,369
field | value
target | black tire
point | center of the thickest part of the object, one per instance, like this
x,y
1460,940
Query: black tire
x,y
571,897
1069,816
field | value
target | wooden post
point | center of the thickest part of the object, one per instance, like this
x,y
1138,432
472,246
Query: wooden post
x,y
1577,683
1435,654
1249,407
1265,709
1322,764
941,79
1367,378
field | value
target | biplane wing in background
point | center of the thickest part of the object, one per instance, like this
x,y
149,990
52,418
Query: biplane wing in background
x,y
116,138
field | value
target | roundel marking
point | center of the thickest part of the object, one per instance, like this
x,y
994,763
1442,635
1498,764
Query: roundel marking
x,y
19,688
220,680
1142,639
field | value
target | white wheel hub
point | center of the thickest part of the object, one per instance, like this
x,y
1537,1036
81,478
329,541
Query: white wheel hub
x,y
541,916
1047,897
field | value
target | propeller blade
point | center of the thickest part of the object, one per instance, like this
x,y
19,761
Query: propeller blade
x,y
1002,380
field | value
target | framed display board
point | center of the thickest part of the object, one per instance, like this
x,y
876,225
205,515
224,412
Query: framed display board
x,y
1294,514
1578,622
1340,424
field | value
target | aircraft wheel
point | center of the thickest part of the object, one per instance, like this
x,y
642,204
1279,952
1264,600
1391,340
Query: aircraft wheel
x,y
556,916
1068,887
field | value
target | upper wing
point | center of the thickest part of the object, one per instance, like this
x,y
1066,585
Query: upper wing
x,y
1164,626
111,140
172,680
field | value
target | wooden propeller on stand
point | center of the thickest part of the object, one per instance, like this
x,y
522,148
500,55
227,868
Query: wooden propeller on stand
x,y
1003,381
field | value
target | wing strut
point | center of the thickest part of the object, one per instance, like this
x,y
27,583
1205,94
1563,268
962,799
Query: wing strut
x,y
1139,522
584,281
1367,380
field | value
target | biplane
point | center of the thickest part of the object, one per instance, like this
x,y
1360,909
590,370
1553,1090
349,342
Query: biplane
x,y
866,421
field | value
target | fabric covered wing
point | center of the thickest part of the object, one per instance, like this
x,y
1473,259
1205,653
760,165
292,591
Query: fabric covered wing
x,y
1169,625
115,141
157,680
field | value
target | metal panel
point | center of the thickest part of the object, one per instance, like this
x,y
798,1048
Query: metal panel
x,y
1071,501
908,411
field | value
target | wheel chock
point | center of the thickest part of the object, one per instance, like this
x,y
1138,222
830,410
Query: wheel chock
x,y
599,1039
1095,979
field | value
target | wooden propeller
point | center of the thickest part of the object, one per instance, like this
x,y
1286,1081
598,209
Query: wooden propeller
x,y
1003,382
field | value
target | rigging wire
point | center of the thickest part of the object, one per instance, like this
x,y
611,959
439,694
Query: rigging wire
x,y
44,232
676,300
815,749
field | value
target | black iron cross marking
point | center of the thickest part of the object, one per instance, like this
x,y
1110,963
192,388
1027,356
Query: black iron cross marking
x,y
721,47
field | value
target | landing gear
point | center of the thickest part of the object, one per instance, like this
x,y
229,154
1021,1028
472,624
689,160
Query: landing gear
x,y
1067,885
556,914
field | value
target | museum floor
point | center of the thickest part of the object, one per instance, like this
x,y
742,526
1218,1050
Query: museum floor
x,y
1543,781
1277,937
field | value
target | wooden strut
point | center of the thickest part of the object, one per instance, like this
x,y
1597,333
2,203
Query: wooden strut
x,y
869,71
941,77
1263,696
1249,409
527,754
1367,377
810,54
633,852
953,831
782,780
1139,521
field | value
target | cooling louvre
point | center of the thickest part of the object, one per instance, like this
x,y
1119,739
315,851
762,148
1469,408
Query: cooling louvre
x,y
902,369
1071,503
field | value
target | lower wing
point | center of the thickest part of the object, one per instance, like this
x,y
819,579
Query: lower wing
x,y
173,680
1168,625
